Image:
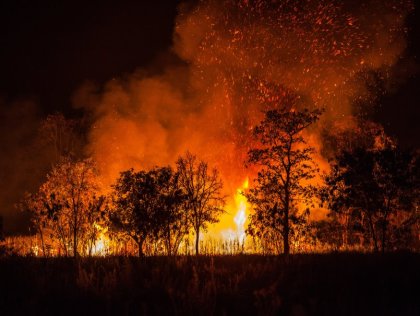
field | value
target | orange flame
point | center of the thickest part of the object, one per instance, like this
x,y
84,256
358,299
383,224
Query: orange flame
x,y
236,228
102,243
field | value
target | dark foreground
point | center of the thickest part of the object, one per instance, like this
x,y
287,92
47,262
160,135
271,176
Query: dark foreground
x,y
334,284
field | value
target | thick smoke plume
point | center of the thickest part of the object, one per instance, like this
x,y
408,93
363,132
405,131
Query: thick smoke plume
x,y
237,59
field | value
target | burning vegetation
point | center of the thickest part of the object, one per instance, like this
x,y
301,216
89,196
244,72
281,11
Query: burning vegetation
x,y
370,195
240,174
254,139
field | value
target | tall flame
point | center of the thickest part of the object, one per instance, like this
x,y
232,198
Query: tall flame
x,y
102,242
239,208
240,217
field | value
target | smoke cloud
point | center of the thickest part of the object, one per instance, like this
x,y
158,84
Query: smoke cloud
x,y
234,58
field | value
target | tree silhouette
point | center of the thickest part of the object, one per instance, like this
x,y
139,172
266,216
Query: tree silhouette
x,y
203,190
68,204
376,183
148,205
286,166
62,136
172,215
34,204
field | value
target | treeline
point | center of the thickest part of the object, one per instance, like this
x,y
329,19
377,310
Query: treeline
x,y
161,205
371,193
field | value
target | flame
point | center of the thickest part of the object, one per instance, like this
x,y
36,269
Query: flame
x,y
239,206
240,217
102,243
100,246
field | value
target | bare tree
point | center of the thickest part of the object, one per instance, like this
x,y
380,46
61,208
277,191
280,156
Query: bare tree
x,y
61,135
68,203
203,189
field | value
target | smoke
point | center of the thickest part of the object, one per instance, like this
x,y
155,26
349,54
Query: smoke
x,y
20,169
235,58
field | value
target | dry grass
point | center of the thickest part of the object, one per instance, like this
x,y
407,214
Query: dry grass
x,y
333,284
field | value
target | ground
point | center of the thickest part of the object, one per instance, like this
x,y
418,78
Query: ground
x,y
327,284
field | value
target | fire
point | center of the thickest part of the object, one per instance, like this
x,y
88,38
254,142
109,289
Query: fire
x,y
241,58
100,246
239,206
240,217
102,243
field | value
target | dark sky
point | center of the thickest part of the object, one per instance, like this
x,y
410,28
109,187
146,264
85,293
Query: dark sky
x,y
49,48
399,109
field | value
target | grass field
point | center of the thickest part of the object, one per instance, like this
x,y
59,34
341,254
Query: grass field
x,y
328,284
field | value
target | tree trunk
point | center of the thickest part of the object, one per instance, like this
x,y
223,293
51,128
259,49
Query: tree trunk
x,y
384,228
91,243
372,229
346,231
75,242
197,241
74,248
140,250
169,241
75,223
286,247
42,241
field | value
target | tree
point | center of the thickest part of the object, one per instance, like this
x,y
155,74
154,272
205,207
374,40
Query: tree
x,y
68,203
172,215
34,204
203,190
376,182
62,136
147,206
286,167
337,141
1,229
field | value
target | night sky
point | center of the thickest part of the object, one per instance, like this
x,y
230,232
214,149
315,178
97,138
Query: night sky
x,y
50,48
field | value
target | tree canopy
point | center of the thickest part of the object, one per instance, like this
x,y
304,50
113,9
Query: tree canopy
x,y
148,205
68,204
372,185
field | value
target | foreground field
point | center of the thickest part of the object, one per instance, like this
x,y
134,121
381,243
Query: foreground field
x,y
335,284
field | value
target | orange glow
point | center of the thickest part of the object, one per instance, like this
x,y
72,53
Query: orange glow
x,y
239,59
232,225
241,216
102,243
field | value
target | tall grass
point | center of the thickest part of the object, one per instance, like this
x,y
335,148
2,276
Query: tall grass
x,y
329,284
